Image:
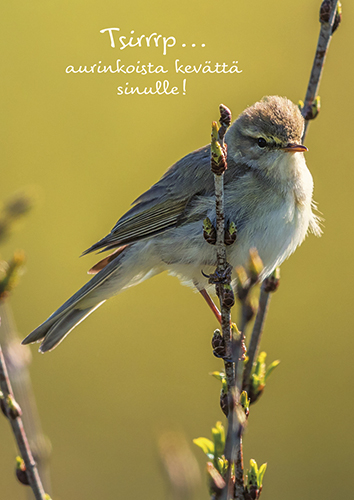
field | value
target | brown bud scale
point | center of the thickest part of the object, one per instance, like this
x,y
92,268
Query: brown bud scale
x,y
224,403
218,162
3,407
230,234
325,14
210,236
218,345
21,474
253,492
271,284
228,298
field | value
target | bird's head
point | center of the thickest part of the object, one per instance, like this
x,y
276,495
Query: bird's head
x,y
266,134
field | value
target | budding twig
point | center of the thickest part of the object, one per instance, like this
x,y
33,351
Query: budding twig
x,y
222,277
256,336
232,339
328,13
327,24
13,413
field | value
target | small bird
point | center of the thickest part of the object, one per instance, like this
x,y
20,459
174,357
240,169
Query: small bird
x,y
267,194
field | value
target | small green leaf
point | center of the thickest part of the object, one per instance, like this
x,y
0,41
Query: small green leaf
x,y
222,465
235,331
242,277
20,464
316,106
252,473
232,228
261,473
222,377
218,375
218,433
270,368
255,265
245,402
214,131
206,445
260,365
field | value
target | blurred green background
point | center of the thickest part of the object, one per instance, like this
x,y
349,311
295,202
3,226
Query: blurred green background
x,y
139,365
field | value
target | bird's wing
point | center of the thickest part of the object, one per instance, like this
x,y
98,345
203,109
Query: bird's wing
x,y
163,205
166,203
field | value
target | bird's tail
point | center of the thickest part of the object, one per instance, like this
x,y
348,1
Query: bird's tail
x,y
80,305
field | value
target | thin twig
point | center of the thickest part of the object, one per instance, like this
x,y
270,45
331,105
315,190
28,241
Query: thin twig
x,y
222,264
258,326
17,359
318,63
233,343
236,422
19,432
313,85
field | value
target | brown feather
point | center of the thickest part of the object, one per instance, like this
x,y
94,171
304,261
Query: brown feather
x,y
102,263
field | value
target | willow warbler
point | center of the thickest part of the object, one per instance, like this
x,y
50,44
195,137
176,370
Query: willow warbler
x,y
268,194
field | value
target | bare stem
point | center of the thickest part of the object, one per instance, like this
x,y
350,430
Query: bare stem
x,y
17,359
19,433
318,63
256,336
236,421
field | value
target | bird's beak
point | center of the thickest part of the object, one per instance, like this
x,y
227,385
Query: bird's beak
x,y
295,148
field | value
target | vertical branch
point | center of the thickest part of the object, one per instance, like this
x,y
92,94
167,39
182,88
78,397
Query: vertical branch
x,y
233,340
229,484
236,422
222,276
13,412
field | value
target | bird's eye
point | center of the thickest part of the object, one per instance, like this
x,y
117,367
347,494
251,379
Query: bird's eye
x,y
261,142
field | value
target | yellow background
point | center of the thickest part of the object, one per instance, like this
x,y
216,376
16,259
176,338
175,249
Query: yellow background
x,y
140,364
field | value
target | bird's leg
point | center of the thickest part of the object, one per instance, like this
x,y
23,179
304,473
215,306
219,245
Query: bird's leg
x,y
211,304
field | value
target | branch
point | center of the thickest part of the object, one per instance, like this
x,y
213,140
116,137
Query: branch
x,y
222,276
330,17
227,473
13,412
17,359
232,339
256,336
236,423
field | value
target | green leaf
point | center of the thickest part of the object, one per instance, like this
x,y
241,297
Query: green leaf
x,y
206,445
256,382
260,365
270,368
261,473
222,465
222,377
20,464
245,402
218,375
252,474
218,433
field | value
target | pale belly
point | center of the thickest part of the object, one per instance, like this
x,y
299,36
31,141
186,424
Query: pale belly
x,y
274,234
